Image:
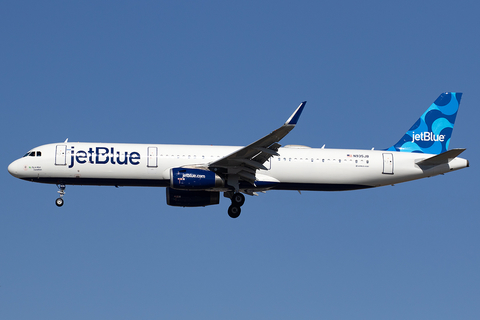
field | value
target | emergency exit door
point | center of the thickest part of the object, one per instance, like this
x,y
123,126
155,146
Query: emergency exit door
x,y
152,160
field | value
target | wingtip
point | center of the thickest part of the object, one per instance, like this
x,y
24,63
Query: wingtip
x,y
296,115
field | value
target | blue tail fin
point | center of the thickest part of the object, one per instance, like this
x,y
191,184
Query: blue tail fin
x,y
431,133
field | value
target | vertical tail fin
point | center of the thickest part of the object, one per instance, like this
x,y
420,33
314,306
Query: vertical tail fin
x,y
432,132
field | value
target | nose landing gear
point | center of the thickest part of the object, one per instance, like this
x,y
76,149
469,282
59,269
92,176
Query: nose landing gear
x,y
61,191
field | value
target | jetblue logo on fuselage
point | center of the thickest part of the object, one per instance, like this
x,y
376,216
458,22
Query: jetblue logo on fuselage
x,y
103,155
427,136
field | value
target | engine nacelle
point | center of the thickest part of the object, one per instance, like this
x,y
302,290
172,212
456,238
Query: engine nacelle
x,y
183,198
194,179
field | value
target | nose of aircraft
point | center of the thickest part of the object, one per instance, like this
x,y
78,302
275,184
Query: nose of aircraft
x,y
13,168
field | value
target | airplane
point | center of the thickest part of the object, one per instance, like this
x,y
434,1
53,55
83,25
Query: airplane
x,y
195,175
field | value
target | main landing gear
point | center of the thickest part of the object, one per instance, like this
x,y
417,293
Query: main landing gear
x,y
61,191
238,200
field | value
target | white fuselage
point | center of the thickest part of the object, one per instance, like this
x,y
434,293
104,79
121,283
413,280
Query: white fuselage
x,y
296,167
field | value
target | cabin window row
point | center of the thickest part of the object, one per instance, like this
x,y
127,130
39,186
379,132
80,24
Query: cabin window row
x,y
187,156
323,160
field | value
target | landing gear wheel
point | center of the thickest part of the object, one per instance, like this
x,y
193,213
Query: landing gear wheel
x,y
59,202
61,191
238,199
234,211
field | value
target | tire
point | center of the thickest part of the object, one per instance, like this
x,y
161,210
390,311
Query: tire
x,y
59,202
238,199
234,211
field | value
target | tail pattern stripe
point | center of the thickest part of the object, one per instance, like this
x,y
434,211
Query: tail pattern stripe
x,y
432,132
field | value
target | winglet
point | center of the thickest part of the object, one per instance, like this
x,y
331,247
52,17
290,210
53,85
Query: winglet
x,y
294,117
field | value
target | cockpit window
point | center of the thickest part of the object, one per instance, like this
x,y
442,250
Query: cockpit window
x,y
33,154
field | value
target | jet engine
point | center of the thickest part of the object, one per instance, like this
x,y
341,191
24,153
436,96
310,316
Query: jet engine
x,y
183,198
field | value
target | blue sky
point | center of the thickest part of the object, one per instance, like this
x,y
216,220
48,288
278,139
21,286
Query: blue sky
x,y
226,73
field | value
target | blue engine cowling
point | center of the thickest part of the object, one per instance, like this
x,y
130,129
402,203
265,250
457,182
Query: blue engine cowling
x,y
183,198
194,179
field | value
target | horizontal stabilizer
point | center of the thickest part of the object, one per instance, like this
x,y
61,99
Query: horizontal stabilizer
x,y
441,158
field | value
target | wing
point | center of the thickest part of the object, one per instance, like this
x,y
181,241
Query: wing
x,y
243,163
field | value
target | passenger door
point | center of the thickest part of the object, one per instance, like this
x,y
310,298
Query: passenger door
x,y
61,155
387,163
